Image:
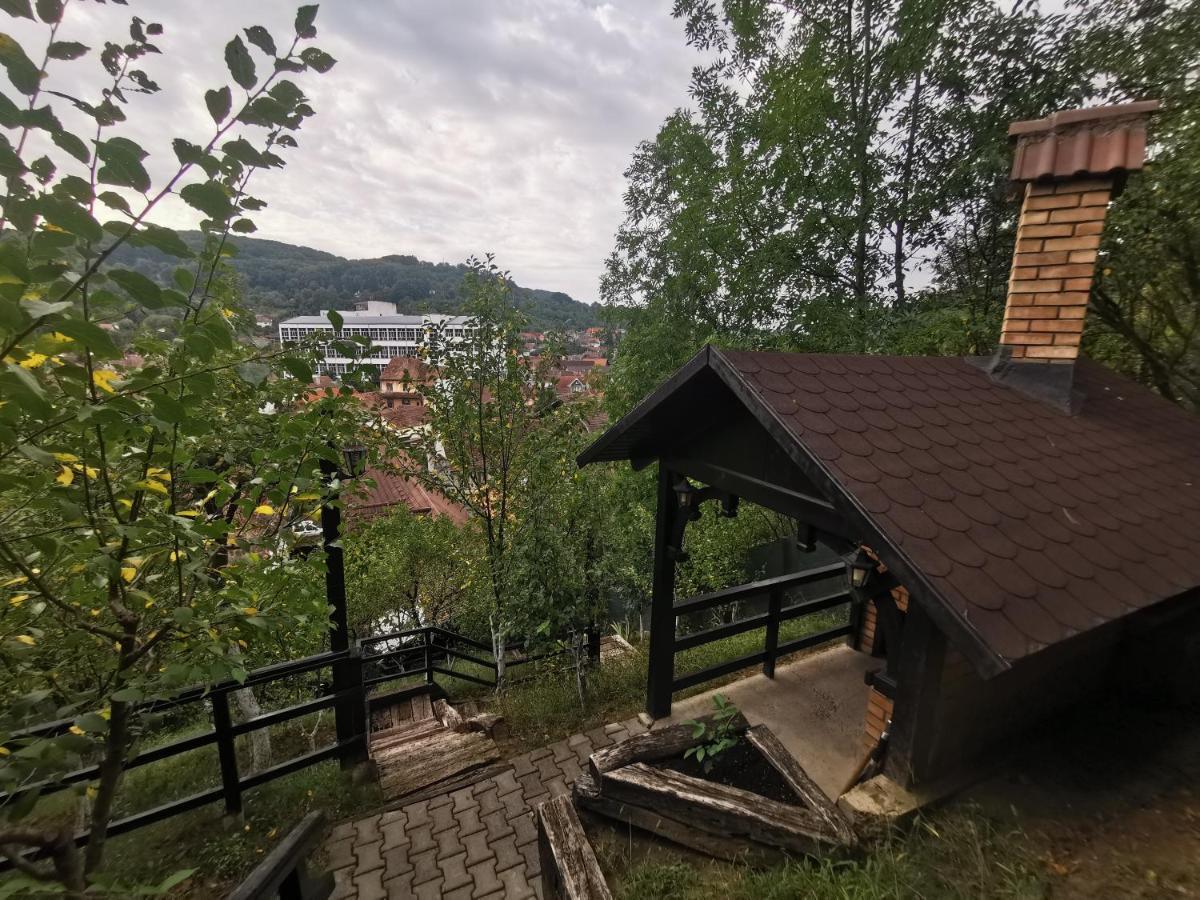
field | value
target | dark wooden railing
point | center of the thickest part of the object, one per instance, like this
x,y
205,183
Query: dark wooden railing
x,y
774,590
283,873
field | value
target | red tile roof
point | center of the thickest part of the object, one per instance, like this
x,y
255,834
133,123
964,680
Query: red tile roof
x,y
1029,524
366,500
405,417
1099,141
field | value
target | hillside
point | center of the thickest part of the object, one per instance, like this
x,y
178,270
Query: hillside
x,y
284,280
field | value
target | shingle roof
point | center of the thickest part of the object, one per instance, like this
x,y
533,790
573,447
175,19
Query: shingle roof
x,y
1030,524
381,490
1101,140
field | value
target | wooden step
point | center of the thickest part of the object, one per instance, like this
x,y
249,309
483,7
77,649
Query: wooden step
x,y
405,768
407,734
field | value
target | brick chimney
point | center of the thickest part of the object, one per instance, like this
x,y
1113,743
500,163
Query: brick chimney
x,y
1070,166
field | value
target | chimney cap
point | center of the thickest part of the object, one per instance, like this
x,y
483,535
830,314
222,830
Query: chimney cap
x,y
1082,143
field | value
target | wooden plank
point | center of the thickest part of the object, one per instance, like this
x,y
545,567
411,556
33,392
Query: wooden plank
x,y
661,743
731,849
409,767
422,708
719,809
763,739
570,870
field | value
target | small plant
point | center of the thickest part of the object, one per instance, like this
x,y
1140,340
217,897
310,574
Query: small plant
x,y
716,736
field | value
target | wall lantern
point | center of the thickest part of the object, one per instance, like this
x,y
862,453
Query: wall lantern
x,y
685,494
859,568
356,461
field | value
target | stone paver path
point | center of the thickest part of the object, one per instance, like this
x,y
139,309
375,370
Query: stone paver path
x,y
476,842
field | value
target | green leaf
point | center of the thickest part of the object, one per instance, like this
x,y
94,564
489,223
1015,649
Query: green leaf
x,y
25,76
175,878
297,368
244,152
201,476
10,115
335,317
305,16
244,226
317,59
67,50
37,454
240,63
253,373
219,103
90,335
73,145
127,695
123,164
261,38
114,200
166,240
168,408
50,11
138,286
18,9
210,198
93,722
70,216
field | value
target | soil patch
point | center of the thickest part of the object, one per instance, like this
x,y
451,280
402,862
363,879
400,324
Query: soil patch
x,y
741,766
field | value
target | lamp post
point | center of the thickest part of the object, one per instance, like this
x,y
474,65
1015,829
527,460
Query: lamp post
x,y
349,712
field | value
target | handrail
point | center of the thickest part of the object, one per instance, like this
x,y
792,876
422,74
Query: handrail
x,y
282,871
743,591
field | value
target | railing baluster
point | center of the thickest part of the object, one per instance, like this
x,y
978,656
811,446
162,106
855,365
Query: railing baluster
x,y
774,605
227,753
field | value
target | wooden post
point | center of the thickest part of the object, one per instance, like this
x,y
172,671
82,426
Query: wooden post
x,y
351,711
593,644
427,636
661,663
774,606
227,753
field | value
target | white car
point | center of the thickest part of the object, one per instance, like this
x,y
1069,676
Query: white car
x,y
306,532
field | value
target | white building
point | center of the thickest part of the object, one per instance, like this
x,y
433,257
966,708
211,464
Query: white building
x,y
391,334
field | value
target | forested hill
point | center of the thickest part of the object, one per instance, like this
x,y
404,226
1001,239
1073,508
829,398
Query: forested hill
x,y
285,280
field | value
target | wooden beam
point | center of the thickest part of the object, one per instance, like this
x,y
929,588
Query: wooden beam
x,y
570,870
661,658
811,510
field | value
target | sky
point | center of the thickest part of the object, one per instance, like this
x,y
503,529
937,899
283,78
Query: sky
x,y
447,128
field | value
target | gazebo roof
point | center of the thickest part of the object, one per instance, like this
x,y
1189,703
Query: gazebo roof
x,y
1015,524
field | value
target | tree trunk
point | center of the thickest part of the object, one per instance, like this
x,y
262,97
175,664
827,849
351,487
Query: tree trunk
x,y
498,650
260,740
910,146
112,766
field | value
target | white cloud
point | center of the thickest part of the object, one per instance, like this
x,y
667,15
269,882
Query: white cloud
x,y
447,128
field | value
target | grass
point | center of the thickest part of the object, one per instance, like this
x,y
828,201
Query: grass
x,y
955,854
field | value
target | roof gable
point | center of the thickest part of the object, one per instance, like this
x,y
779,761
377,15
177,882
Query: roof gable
x,y
1024,525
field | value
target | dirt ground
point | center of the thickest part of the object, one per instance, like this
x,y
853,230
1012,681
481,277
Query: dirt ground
x,y
1110,800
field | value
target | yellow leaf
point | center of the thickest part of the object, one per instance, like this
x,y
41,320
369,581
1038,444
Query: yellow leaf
x,y
65,457
95,611
190,513
105,713
4,751
75,729
128,573
151,486
65,476
18,579
33,360
103,379
26,640
265,510
174,556
250,610
91,792
18,599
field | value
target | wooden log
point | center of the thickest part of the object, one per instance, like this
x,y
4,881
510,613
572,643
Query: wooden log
x,y
731,849
570,870
663,743
763,739
719,809
448,715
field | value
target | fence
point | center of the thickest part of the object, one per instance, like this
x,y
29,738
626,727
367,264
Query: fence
x,y
773,589
351,695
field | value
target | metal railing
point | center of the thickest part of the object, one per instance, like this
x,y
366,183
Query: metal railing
x,y
773,589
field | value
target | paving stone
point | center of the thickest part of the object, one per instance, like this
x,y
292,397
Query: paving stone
x,y
521,765
576,739
420,840
540,753
634,726
506,781
443,818
557,787
583,753
516,885
463,799
599,738
619,735
448,844
463,892
454,870
393,815
425,867
483,874
507,854
478,848
366,830
440,800
498,895
489,801
570,768
341,831
468,821
396,862
533,863
400,887
611,727
343,883
561,750
368,857
546,769
526,829
430,890
395,833
532,787
370,886
418,814
497,825
341,853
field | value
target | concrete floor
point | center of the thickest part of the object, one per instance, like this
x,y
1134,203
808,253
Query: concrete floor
x,y
816,706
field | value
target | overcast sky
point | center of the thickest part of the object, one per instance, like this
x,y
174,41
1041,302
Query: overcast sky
x,y
448,127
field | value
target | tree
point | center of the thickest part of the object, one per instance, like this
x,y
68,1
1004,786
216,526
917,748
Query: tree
x,y
142,501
